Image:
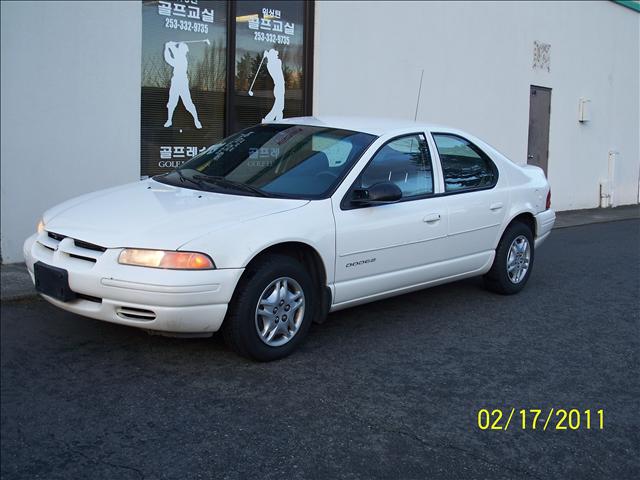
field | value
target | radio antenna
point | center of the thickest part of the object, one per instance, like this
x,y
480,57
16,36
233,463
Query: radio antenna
x,y
415,117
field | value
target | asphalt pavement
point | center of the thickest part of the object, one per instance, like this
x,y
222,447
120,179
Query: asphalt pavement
x,y
387,390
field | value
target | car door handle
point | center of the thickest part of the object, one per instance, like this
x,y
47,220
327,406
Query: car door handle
x,y
496,206
432,218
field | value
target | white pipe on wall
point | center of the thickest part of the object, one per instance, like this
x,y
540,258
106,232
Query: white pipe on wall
x,y
612,177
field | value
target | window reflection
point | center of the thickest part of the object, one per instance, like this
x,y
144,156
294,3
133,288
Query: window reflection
x,y
464,165
405,162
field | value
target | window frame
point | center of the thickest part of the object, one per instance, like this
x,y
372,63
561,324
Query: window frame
x,y
345,203
483,155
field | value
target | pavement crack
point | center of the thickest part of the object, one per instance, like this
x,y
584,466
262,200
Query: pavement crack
x,y
470,453
138,472
408,432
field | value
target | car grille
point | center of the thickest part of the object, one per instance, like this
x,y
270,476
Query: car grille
x,y
71,247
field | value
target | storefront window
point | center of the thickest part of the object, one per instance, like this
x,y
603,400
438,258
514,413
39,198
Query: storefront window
x,y
191,100
269,62
184,57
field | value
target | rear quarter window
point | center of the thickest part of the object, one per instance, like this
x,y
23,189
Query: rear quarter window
x,y
464,166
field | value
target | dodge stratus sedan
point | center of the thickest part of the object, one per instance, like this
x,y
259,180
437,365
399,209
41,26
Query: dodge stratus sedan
x,y
272,228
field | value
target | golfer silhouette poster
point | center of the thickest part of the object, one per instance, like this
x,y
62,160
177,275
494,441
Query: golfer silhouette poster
x,y
274,66
184,76
175,54
270,60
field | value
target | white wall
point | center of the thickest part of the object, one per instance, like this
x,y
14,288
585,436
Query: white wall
x,y
70,106
477,61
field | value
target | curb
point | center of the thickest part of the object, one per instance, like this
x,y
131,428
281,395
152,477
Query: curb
x,y
574,218
17,297
584,224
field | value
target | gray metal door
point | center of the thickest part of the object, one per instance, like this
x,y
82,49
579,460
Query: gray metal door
x,y
539,116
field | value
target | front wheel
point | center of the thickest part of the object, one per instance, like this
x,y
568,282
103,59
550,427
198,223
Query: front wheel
x,y
272,309
513,262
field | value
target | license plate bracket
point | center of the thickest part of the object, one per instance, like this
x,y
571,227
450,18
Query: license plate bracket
x,y
53,282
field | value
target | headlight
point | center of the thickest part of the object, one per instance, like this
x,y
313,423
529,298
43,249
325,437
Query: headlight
x,y
40,227
165,259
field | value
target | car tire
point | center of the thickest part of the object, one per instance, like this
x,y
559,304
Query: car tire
x,y
262,304
513,262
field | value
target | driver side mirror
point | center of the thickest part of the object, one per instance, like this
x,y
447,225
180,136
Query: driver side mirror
x,y
377,194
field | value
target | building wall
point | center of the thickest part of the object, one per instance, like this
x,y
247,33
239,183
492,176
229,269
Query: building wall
x,y
477,59
70,106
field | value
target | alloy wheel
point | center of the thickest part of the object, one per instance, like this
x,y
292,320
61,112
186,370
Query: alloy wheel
x,y
518,259
280,311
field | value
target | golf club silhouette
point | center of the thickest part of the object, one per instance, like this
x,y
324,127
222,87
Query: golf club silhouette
x,y
256,76
206,40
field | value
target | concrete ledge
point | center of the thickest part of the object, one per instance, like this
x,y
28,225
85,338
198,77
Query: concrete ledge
x,y
17,285
16,282
573,218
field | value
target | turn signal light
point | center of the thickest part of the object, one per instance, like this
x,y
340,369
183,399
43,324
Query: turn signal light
x,y
165,259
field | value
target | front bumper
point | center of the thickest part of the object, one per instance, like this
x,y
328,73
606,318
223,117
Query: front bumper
x,y
544,223
171,301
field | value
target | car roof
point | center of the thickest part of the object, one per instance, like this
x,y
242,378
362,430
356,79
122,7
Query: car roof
x,y
372,125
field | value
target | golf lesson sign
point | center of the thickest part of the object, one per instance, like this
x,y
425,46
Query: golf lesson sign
x,y
183,80
190,99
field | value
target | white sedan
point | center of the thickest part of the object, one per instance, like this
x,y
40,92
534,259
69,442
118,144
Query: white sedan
x,y
274,227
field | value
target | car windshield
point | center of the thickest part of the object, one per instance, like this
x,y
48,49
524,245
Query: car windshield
x,y
294,161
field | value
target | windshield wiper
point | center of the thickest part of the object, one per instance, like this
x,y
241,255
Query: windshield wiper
x,y
225,183
183,178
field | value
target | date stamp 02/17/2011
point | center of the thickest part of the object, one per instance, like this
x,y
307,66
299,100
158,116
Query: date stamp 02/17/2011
x,y
540,419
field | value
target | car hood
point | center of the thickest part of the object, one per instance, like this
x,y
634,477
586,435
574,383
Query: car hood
x,y
150,214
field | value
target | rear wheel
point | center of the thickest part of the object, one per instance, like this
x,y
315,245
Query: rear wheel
x,y
272,309
513,262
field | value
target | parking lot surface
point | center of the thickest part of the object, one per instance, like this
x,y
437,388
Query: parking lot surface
x,y
387,390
